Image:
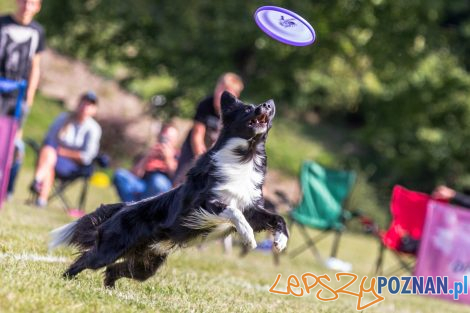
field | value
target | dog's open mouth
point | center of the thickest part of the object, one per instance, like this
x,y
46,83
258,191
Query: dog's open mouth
x,y
260,120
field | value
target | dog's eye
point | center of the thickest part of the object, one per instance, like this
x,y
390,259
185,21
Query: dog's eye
x,y
247,109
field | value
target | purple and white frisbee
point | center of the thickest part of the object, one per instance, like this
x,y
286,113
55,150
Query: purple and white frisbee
x,y
285,26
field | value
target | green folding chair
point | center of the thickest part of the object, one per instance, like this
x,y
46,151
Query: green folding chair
x,y
324,196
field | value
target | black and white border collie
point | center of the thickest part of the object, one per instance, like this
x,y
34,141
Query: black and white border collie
x,y
222,194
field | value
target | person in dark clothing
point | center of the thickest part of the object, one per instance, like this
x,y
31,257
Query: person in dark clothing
x,y
206,126
21,42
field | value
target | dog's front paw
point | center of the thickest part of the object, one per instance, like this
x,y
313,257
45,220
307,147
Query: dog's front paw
x,y
280,241
248,237
250,241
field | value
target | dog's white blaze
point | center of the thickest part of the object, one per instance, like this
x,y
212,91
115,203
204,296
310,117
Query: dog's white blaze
x,y
241,179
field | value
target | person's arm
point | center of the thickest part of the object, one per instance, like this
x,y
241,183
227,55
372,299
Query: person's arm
x,y
461,199
33,80
169,156
54,129
75,155
197,138
89,151
449,194
139,167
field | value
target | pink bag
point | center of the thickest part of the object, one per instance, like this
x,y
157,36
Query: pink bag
x,y
445,246
8,126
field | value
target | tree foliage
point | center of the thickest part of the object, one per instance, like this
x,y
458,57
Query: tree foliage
x,y
398,66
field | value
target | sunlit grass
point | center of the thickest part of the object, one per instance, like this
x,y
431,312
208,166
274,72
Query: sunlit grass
x,y
194,280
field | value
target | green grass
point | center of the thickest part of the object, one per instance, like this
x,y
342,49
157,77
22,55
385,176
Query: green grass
x,y
193,280
7,6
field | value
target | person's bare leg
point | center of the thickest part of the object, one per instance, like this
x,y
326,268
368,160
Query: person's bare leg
x,y
45,173
46,186
46,162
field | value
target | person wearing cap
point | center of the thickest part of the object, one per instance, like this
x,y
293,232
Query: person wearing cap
x,y
72,141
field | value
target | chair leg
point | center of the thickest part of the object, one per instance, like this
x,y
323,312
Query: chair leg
x,y
83,195
59,192
309,241
403,264
309,244
290,224
379,270
276,258
379,263
334,249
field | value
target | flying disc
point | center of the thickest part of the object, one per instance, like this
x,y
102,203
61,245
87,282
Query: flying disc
x,y
285,26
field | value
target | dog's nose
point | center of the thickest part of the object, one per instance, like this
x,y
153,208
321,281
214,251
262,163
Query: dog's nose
x,y
267,105
266,108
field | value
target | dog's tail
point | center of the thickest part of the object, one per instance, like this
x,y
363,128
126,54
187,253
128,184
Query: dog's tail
x,y
83,232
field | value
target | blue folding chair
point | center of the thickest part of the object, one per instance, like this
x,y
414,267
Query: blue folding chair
x,y
8,127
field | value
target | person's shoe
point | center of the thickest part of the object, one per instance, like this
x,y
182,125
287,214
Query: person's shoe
x,y
338,265
266,245
40,203
35,187
76,213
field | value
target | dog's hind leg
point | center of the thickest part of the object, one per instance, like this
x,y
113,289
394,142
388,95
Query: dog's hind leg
x,y
139,267
91,259
77,266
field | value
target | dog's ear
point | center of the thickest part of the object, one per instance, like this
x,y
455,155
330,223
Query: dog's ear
x,y
228,102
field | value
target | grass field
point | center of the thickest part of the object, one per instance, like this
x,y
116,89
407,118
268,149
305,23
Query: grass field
x,y
194,280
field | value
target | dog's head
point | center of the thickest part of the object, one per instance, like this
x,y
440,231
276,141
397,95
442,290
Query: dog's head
x,y
246,121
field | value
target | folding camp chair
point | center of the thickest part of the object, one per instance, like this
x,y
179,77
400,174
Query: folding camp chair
x,y
408,209
8,127
324,195
63,183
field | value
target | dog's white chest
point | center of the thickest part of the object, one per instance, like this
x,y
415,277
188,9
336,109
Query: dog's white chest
x,y
241,181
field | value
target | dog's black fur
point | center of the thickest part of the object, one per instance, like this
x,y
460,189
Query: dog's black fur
x,y
133,239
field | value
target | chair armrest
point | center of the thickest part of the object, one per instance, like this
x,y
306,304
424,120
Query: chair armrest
x,y
283,197
33,144
368,224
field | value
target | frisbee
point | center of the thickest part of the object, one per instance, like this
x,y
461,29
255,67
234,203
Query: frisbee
x,y
285,26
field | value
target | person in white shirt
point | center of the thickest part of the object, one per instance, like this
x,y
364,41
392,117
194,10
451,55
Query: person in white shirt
x,y
72,141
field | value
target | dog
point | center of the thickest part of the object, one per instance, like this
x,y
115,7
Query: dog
x,y
222,194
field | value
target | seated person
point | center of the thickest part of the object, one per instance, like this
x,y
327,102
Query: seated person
x,y
449,194
152,174
71,143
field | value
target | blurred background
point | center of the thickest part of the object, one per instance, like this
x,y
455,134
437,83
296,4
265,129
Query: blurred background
x,y
384,90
